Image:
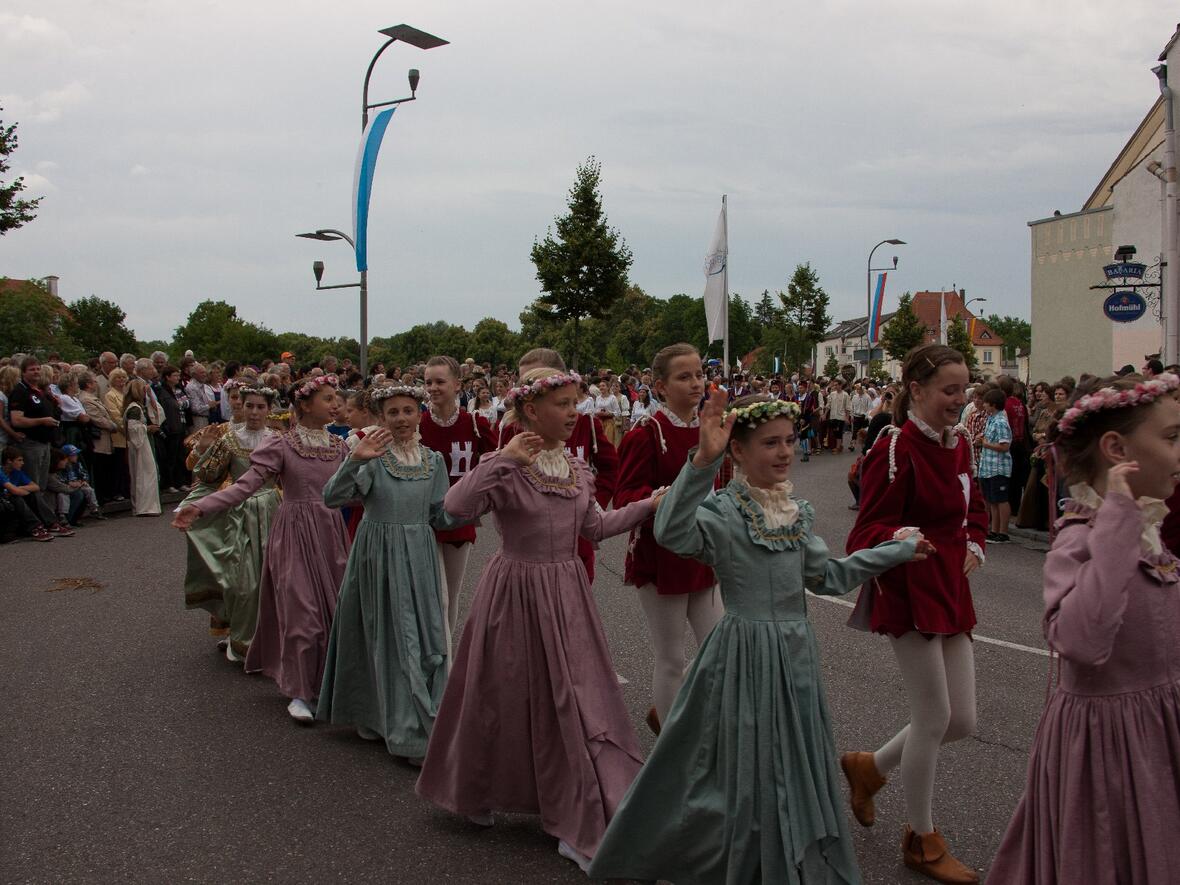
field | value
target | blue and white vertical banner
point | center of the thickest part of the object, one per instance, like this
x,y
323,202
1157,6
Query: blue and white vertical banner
x,y
362,183
875,317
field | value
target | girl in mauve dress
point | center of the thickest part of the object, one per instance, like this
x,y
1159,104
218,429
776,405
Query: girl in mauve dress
x,y
306,550
673,590
533,720
1102,800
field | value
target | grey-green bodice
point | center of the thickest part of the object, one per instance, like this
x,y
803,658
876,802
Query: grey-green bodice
x,y
394,494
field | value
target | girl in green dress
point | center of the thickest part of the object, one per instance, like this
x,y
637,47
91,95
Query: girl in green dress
x,y
742,785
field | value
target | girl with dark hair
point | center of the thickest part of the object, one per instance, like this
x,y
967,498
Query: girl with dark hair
x,y
1102,800
306,548
919,473
742,785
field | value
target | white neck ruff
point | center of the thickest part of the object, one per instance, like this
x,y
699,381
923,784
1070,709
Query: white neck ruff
x,y
1153,511
777,505
553,463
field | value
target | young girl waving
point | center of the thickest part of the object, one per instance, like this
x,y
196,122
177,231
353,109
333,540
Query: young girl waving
x,y
388,653
672,589
742,785
920,474
1102,801
533,720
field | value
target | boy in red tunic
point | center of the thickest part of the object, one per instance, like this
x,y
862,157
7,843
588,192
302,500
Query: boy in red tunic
x,y
460,437
588,442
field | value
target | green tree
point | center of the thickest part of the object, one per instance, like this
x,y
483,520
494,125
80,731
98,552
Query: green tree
x,y
14,211
831,367
805,315
33,321
1017,333
493,342
584,270
904,331
957,337
215,331
96,324
876,369
766,313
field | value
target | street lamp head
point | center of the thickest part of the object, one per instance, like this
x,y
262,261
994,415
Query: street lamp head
x,y
895,262
317,268
414,77
413,36
895,242
322,235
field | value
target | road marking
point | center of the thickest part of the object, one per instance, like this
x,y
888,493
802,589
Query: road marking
x,y
1003,643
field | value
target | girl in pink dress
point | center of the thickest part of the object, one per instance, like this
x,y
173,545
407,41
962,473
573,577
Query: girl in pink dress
x,y
532,720
1102,800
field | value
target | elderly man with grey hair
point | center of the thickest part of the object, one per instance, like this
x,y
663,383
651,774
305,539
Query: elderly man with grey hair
x,y
200,395
107,363
127,364
159,360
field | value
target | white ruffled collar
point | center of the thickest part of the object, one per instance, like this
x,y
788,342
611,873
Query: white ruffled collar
x,y
407,454
947,439
552,463
672,417
1153,511
250,439
317,437
778,507
444,422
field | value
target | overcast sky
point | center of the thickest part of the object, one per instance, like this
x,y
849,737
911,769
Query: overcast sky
x,y
180,146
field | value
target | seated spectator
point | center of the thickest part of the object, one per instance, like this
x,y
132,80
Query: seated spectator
x,y
37,519
69,502
77,479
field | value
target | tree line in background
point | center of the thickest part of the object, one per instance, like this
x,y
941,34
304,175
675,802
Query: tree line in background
x,y
588,310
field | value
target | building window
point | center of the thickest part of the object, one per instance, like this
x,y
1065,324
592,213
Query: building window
x,y
829,350
987,357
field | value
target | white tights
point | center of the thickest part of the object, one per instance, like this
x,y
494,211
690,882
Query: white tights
x,y
665,622
939,676
454,566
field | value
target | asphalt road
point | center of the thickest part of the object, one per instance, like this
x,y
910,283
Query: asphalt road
x,y
132,751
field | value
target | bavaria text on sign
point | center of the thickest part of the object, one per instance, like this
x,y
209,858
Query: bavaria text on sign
x,y
1124,307
1125,269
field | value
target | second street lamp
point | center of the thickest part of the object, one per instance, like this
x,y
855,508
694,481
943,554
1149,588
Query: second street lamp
x,y
869,293
328,235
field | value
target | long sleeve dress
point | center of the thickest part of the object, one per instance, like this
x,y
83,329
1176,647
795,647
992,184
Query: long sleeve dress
x,y
388,655
306,552
742,786
1102,801
225,550
533,720
141,462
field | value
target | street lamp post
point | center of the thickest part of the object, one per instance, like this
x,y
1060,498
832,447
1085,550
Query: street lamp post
x,y
422,40
869,269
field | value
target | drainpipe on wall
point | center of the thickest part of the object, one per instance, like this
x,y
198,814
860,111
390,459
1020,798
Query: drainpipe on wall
x,y
1171,278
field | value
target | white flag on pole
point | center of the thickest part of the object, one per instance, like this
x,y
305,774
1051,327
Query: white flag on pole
x,y
942,318
716,298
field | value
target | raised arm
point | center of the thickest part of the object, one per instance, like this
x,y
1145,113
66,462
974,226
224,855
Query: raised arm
x,y
350,483
1087,574
826,576
265,461
685,523
480,489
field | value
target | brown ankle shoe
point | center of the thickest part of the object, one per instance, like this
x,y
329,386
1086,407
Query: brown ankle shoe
x,y
863,782
929,856
653,721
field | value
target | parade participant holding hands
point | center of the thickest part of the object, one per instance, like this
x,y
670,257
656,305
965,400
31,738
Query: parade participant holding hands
x,y
1102,800
306,550
919,473
388,653
225,551
533,720
741,786
587,442
461,437
672,589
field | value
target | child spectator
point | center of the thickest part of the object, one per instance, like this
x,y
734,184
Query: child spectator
x,y
69,502
77,479
36,518
995,465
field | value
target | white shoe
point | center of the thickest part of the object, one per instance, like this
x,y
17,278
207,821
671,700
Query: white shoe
x,y
483,819
367,734
300,712
222,643
231,655
567,851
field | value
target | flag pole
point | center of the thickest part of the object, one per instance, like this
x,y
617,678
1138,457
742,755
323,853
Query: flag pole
x,y
725,284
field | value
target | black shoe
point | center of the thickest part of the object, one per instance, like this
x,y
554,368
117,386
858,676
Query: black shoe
x,y
1001,539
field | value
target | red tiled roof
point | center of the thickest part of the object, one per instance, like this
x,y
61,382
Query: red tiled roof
x,y
926,309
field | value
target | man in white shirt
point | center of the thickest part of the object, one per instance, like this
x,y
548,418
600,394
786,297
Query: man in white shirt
x,y
839,408
861,403
200,396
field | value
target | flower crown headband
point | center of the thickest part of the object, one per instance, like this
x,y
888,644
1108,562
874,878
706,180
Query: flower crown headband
x,y
760,413
1108,398
232,384
377,394
245,390
542,385
309,388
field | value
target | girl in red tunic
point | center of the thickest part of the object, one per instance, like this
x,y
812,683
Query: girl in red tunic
x,y
672,589
460,437
921,476
588,442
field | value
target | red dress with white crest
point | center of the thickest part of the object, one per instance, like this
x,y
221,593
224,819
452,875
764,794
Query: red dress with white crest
x,y
461,443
